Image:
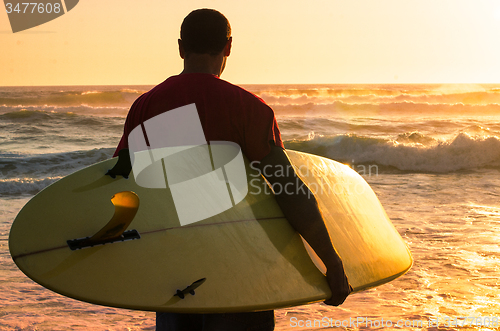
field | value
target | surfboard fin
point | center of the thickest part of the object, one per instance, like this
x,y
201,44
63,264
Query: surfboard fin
x,y
190,289
126,204
123,166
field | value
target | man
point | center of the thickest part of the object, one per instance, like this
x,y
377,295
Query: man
x,y
229,113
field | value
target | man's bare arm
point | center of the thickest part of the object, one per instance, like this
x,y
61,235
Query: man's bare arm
x,y
301,209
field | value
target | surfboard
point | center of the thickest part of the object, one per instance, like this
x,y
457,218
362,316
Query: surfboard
x,y
110,241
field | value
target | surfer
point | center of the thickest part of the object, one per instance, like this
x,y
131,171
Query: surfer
x,y
230,113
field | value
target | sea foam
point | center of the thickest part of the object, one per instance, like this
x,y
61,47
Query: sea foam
x,y
417,154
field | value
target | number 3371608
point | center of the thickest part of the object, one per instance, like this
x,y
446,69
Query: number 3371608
x,y
33,8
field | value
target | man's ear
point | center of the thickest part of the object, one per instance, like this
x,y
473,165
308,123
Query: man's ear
x,y
227,48
182,53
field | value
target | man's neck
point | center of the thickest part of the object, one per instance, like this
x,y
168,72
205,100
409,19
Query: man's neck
x,y
204,63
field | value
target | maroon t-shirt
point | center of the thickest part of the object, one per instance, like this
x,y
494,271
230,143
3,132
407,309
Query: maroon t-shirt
x,y
227,112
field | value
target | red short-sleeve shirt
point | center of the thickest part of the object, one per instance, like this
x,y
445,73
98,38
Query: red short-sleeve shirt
x,y
227,112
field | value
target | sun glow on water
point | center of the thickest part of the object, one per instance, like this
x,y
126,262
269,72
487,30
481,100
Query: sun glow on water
x,y
437,161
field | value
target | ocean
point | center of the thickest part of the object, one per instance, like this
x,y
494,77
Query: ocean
x,y
430,152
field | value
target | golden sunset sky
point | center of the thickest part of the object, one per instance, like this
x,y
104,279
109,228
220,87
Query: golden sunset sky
x,y
123,42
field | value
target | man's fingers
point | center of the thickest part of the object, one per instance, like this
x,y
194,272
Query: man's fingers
x,y
340,295
337,301
340,286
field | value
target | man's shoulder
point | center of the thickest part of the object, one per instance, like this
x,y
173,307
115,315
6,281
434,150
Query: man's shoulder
x,y
239,88
246,95
202,79
181,86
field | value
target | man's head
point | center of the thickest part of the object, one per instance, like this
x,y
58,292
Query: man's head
x,y
205,31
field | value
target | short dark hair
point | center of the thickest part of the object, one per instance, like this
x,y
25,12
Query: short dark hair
x,y
205,31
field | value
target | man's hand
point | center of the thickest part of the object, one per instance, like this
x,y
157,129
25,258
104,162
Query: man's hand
x,y
339,285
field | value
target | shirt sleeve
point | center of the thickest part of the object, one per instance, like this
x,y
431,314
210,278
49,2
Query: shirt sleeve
x,y
261,131
133,119
121,145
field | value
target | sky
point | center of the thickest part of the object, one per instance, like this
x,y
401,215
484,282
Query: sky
x,y
131,42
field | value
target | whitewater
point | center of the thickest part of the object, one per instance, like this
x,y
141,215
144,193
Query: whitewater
x,y
430,152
